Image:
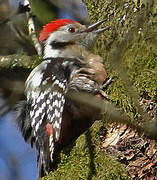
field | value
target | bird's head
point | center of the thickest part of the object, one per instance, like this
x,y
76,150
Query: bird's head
x,y
58,35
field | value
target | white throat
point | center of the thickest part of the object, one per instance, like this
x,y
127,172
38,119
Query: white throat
x,y
70,51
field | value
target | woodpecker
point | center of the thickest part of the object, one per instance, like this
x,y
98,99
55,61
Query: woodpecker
x,y
53,116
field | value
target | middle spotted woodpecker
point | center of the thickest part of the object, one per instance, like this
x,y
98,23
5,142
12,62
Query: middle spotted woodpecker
x,y
54,115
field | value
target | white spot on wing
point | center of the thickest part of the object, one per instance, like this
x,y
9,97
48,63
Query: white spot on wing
x,y
56,102
59,104
48,101
57,135
61,109
54,93
37,127
56,112
51,147
56,125
44,82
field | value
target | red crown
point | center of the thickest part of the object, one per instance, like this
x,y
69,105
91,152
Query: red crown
x,y
53,26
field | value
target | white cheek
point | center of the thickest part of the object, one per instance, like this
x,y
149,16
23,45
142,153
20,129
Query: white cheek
x,y
51,53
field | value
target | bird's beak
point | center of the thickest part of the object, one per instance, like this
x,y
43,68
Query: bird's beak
x,y
92,28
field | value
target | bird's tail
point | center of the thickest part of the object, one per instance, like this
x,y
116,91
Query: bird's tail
x,y
44,162
45,159
41,139
22,119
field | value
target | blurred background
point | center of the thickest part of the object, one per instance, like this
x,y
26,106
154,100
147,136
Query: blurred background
x,y
129,53
18,159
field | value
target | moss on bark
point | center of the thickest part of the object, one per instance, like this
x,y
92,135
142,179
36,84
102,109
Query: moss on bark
x,y
87,161
129,52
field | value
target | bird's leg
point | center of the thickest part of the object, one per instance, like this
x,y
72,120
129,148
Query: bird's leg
x,y
107,83
104,86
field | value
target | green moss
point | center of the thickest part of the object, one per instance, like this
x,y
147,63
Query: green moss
x,y
87,161
19,60
129,53
141,61
128,50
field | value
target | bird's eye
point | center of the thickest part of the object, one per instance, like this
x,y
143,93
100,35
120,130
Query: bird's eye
x,y
71,30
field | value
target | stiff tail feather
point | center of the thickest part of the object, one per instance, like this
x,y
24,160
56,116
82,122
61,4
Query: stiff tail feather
x,y
43,141
21,116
